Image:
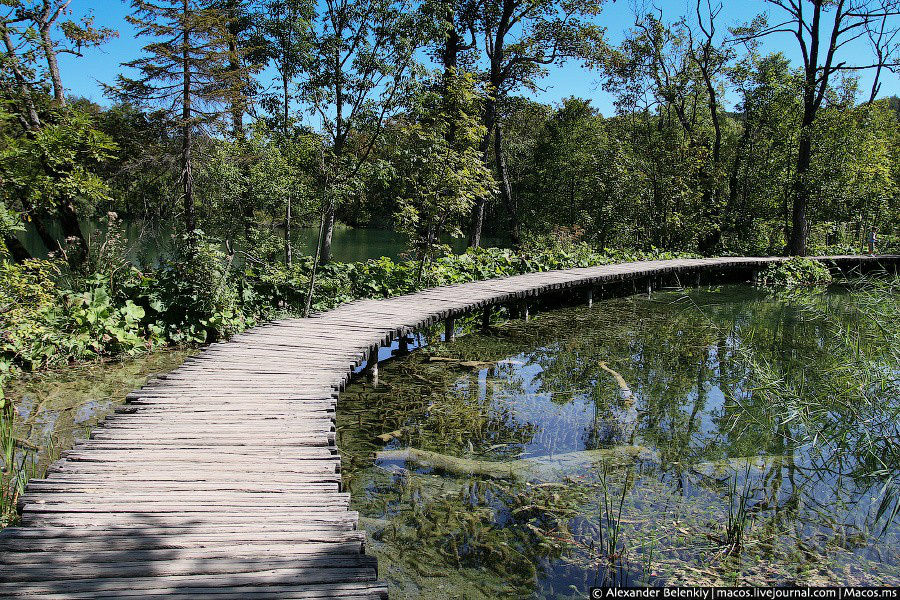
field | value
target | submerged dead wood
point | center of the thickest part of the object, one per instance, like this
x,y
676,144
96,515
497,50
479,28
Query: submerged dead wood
x,y
628,420
623,385
545,468
468,364
554,468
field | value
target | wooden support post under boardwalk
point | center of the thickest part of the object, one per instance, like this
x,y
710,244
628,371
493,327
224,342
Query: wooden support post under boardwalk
x,y
590,297
372,365
486,319
449,329
403,347
525,313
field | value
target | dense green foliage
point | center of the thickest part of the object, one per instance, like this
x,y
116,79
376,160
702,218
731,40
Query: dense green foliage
x,y
795,272
712,147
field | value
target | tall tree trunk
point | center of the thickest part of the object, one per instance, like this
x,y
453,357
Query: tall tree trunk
x,y
247,208
799,227
505,187
186,133
449,58
59,94
16,249
710,193
315,266
237,104
814,86
739,149
238,101
288,259
285,124
497,77
328,231
450,50
339,133
490,118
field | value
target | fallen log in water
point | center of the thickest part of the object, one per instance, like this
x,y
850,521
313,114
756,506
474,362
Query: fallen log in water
x,y
554,468
545,468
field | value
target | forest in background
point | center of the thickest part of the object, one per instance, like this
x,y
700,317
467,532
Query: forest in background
x,y
243,121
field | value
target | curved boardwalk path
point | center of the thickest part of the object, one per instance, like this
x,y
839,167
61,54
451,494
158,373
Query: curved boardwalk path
x,y
222,479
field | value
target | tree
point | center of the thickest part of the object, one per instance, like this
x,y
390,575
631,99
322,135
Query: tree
x,y
359,77
147,165
712,59
565,179
757,212
440,176
242,60
54,167
677,71
662,98
35,32
520,40
188,72
456,33
286,30
262,169
822,29
43,16
852,173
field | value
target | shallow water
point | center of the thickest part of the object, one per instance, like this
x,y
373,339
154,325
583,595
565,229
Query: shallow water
x,y
151,243
716,436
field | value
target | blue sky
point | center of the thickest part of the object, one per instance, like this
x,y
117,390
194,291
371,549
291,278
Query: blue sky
x,y
83,76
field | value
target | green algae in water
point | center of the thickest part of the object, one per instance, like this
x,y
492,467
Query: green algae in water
x,y
720,436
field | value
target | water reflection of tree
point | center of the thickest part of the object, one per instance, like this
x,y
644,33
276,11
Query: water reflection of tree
x,y
714,377
810,372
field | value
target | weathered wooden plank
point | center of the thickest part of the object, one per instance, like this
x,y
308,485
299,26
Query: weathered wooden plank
x,y
283,576
194,588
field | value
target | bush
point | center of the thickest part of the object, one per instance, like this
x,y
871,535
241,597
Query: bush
x,y
794,272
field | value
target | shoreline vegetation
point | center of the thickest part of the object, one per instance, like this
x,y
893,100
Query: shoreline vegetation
x,y
52,317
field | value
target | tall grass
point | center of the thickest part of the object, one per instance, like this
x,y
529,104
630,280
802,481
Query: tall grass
x,y
13,474
738,513
611,545
843,406
20,464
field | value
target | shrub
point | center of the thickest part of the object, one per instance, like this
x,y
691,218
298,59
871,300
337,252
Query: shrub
x,y
794,272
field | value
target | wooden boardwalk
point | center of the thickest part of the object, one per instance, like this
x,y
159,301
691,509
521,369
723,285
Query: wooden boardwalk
x,y
222,478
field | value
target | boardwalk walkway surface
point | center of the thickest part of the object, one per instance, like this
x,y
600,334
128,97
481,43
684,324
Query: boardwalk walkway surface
x,y
222,478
